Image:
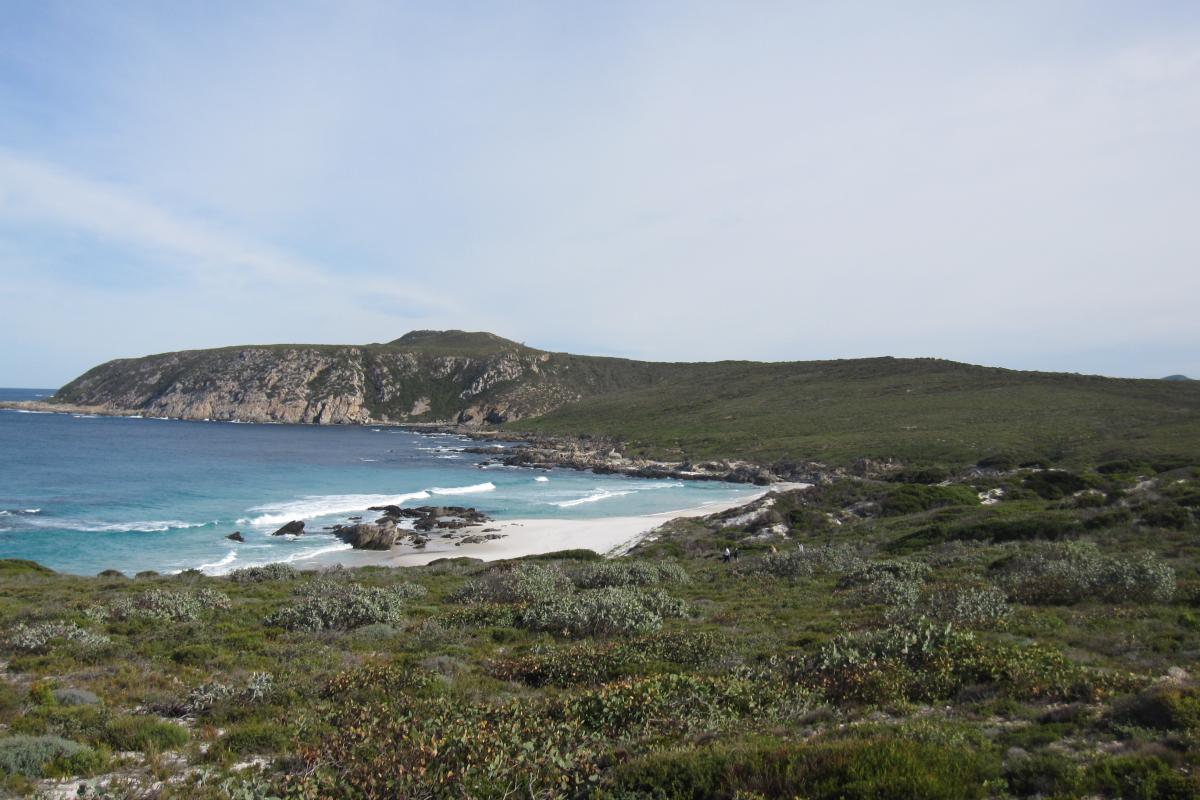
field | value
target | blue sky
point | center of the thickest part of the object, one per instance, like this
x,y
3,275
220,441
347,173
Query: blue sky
x,y
1013,184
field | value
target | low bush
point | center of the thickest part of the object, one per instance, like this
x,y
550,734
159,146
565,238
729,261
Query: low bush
x,y
867,768
594,663
604,574
1054,484
169,606
43,637
75,697
1043,775
1141,777
911,498
335,605
47,756
1170,707
601,612
144,733
807,562
523,582
993,526
252,738
265,573
1067,573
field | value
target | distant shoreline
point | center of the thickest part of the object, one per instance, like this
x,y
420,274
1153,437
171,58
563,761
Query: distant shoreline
x,y
608,536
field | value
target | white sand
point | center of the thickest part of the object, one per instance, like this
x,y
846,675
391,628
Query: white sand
x,y
526,537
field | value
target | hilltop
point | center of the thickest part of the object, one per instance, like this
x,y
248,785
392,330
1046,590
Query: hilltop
x,y
912,410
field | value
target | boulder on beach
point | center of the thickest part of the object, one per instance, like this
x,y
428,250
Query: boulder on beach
x,y
296,526
236,536
368,536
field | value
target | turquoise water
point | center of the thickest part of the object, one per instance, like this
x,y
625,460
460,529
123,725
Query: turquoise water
x,y
82,494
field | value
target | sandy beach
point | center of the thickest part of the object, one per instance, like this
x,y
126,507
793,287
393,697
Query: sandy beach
x,y
524,537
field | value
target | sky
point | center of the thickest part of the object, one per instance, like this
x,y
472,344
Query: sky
x,y
1013,184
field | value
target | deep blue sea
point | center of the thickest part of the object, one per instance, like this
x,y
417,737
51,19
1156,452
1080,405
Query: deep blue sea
x,y
81,494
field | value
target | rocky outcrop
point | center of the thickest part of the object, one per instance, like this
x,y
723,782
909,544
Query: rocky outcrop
x,y
293,528
453,377
368,535
236,536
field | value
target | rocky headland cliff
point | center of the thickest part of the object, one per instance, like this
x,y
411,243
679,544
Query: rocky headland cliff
x,y
447,377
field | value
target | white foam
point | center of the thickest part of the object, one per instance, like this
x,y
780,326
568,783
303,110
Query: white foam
x,y
325,505
86,416
370,460
25,411
137,526
594,497
542,479
479,487
31,511
218,567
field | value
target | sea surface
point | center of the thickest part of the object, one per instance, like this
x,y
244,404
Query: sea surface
x,y
81,494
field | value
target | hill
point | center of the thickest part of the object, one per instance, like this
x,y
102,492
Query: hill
x,y
914,410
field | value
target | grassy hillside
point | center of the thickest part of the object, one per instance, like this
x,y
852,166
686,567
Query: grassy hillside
x,y
918,410
915,410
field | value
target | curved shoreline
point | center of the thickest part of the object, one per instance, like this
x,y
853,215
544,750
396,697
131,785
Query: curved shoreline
x,y
608,536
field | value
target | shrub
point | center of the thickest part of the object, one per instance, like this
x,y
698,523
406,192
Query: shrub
x,y
43,756
1140,777
1062,574
523,582
806,562
601,612
267,572
333,605
973,607
1165,514
1044,775
993,526
480,616
75,697
42,637
604,574
169,606
1054,484
911,498
204,697
1165,707
592,663
867,768
144,733
253,738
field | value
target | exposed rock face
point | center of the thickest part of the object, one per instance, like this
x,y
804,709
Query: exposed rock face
x,y
425,376
295,527
236,536
368,535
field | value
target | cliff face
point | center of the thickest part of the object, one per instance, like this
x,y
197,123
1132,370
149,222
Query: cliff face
x,y
423,377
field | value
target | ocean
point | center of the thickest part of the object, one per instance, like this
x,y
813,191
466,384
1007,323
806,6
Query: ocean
x,y
81,494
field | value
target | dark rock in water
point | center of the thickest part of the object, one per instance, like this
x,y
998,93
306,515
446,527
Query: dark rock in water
x,y
236,536
354,519
368,536
391,511
296,526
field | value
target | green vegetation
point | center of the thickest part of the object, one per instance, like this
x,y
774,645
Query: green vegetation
x,y
927,413
1038,646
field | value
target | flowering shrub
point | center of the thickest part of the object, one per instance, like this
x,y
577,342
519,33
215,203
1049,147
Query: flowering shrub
x,y
334,605
521,583
602,612
602,574
161,604
42,637
267,572
1061,574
